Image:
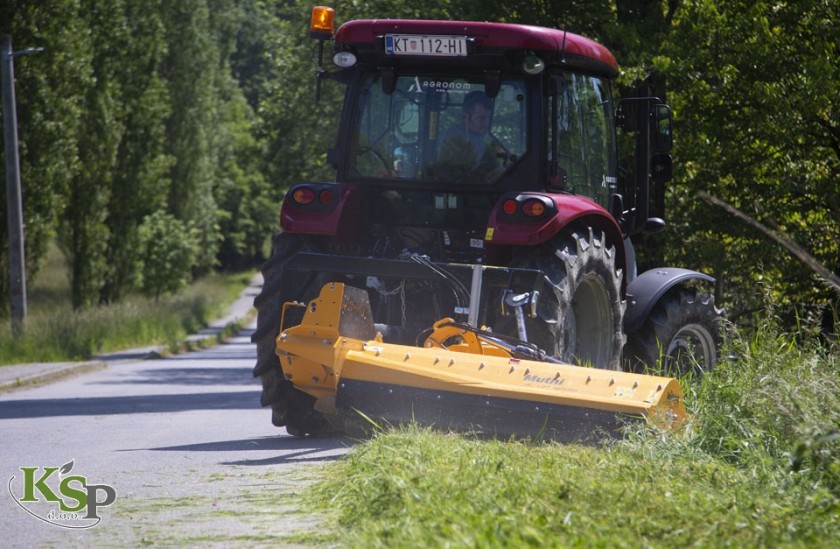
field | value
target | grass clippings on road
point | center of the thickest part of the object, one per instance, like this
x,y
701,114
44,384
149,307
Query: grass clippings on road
x,y
237,508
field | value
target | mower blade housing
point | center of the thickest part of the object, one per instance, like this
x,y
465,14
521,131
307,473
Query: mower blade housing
x,y
496,395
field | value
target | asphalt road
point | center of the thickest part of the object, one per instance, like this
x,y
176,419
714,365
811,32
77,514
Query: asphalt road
x,y
171,451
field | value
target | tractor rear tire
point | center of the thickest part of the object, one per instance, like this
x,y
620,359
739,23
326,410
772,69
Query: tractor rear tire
x,y
580,319
289,406
682,334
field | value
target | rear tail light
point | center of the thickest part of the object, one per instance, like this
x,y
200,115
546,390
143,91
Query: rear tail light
x,y
303,196
326,197
533,208
527,207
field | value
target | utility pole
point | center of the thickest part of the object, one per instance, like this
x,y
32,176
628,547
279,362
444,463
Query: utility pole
x,y
14,204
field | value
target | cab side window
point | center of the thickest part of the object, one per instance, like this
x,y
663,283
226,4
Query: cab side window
x,y
581,136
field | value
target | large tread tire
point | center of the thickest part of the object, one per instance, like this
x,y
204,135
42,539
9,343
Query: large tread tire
x,y
580,319
290,407
681,335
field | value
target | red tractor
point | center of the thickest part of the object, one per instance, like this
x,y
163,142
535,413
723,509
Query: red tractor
x,y
478,178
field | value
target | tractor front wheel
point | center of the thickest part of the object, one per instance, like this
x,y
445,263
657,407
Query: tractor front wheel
x,y
580,319
289,406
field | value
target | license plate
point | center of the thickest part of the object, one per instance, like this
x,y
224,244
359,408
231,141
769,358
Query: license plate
x,y
413,44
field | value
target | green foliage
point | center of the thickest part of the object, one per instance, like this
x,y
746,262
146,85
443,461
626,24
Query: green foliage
x,y
51,87
139,182
247,203
83,232
189,68
297,131
169,248
400,9
755,119
133,109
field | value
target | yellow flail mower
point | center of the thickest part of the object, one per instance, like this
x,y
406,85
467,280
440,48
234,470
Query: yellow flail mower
x,y
458,377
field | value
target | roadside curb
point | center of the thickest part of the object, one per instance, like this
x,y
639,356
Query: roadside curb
x,y
17,376
26,375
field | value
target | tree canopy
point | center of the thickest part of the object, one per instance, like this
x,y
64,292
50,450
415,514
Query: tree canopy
x,y
141,117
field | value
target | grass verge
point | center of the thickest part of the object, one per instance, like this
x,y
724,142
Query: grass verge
x,y
758,466
56,333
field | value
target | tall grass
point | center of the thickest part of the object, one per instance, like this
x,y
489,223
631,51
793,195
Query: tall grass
x,y
54,332
758,465
775,411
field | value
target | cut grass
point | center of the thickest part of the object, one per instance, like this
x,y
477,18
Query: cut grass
x,y
416,488
55,333
757,466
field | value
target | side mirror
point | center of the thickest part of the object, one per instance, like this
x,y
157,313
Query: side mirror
x,y
663,139
616,206
654,225
661,168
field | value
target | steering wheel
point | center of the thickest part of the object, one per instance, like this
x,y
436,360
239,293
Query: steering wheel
x,y
386,168
503,153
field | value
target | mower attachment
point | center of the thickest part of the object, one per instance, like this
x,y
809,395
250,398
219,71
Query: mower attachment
x,y
462,378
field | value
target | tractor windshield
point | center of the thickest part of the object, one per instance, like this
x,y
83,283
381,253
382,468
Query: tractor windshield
x,y
438,128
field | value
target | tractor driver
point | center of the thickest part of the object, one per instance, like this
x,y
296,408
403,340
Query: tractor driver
x,y
466,150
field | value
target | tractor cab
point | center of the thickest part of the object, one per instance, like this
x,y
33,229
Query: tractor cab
x,y
446,124
487,107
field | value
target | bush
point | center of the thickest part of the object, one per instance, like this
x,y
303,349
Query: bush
x,y
169,251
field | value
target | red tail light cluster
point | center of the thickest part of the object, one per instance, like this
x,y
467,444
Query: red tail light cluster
x,y
313,196
527,207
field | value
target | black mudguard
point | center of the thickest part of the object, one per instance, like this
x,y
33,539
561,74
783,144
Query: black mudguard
x,y
647,288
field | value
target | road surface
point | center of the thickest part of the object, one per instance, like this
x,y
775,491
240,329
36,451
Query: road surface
x,y
172,451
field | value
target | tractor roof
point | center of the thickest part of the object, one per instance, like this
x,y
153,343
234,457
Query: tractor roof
x,y
557,47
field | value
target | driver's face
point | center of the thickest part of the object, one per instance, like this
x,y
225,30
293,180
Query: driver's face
x,y
478,122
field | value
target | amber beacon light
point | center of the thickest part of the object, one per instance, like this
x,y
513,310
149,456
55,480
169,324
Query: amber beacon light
x,y
322,23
